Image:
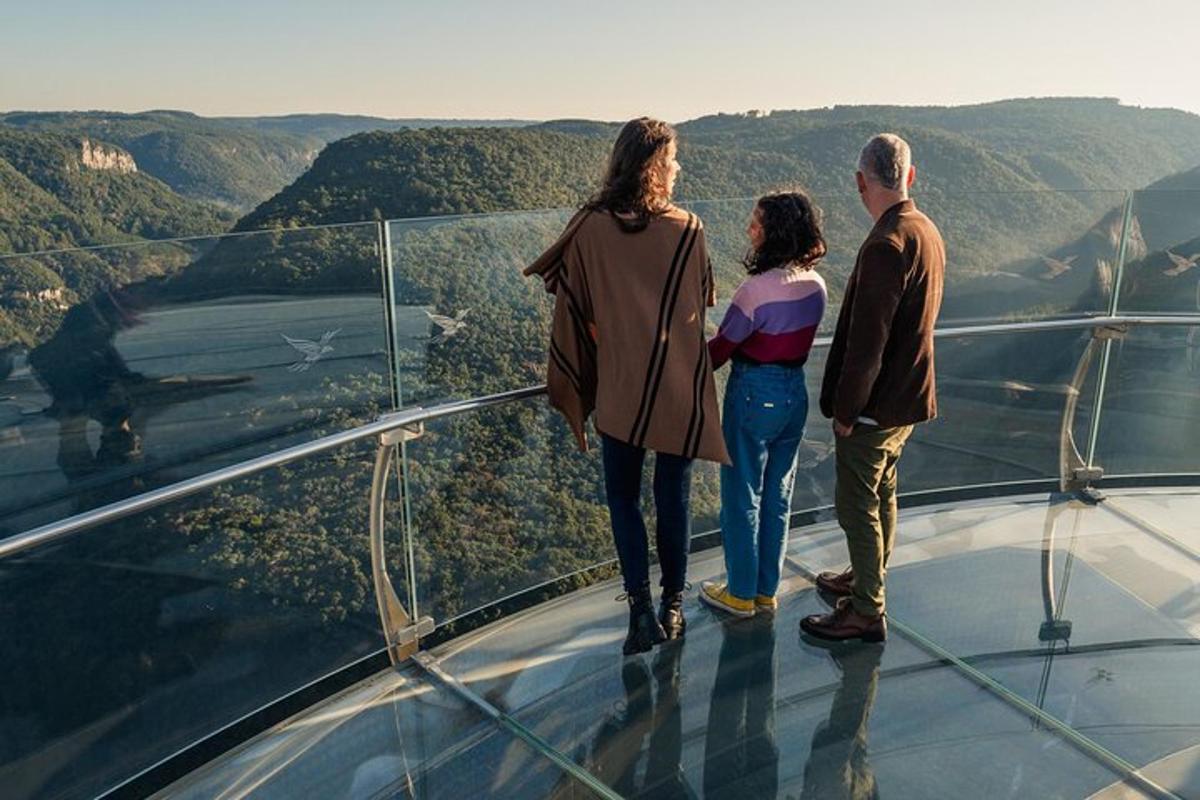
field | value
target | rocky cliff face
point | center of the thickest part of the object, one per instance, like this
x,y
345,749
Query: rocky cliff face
x,y
55,297
98,156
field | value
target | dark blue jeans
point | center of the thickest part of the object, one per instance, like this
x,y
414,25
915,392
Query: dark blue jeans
x,y
672,495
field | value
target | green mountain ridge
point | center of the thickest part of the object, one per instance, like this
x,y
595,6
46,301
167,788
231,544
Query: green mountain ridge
x,y
985,172
1164,219
415,173
199,158
979,192
51,198
1070,143
233,161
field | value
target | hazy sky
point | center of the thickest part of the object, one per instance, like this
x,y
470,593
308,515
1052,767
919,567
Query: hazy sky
x,y
539,59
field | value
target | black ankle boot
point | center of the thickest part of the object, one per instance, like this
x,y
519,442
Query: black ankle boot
x,y
644,630
670,615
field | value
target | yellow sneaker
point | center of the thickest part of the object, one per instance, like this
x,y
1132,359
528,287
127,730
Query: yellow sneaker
x,y
764,603
717,595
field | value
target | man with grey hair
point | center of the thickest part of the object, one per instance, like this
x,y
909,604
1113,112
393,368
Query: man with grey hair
x,y
879,382
886,159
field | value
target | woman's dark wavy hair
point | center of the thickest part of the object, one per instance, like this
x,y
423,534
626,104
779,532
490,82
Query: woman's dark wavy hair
x,y
633,180
791,233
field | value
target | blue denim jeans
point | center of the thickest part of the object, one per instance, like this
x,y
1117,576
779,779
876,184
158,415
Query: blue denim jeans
x,y
672,496
765,410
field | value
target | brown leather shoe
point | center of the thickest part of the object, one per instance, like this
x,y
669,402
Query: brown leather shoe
x,y
845,623
838,584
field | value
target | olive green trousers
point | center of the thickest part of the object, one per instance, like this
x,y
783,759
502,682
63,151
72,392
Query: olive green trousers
x,y
865,500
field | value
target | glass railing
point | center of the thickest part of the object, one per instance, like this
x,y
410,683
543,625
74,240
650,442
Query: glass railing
x,y
129,641
137,638
201,353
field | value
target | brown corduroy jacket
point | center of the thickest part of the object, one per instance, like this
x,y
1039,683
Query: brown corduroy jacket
x,y
627,339
881,364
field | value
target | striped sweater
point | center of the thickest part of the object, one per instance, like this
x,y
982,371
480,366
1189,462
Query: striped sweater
x,y
772,320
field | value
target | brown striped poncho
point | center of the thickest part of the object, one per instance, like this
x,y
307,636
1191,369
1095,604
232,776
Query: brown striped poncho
x,y
628,338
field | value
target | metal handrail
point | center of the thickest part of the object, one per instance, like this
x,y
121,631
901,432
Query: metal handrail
x,y
144,502
389,422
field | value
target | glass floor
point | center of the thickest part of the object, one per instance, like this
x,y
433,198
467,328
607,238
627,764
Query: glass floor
x,y
1038,648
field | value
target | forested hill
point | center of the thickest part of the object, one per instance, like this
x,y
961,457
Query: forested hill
x,y
234,161
60,191
1064,143
985,171
420,173
65,191
1011,146
244,161
989,174
199,158
432,172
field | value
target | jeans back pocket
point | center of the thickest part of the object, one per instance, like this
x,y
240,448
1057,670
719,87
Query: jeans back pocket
x,y
766,411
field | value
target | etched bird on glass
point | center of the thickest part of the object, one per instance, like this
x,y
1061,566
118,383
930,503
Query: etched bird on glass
x,y
1182,264
312,351
450,326
1056,267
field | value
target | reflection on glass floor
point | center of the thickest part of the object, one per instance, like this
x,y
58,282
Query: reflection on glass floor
x,y
1038,649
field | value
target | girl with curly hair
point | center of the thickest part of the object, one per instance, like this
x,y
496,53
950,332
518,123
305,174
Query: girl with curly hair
x,y
767,334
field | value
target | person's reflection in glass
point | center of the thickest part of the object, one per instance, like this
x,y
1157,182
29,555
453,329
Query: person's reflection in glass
x,y
664,773
88,379
648,723
838,765
741,759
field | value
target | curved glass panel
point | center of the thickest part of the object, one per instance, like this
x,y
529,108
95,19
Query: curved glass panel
x,y
1150,422
133,640
1001,405
1163,250
467,322
131,367
1026,255
501,501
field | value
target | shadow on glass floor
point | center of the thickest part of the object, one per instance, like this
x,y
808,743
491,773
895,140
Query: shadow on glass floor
x,y
1037,650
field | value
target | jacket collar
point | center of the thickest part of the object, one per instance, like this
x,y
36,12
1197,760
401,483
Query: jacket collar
x,y
895,210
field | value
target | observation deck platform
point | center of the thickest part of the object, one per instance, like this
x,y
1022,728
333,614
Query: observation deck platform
x,y
1039,646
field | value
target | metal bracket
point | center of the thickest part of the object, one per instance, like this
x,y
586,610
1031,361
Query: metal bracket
x,y
402,629
405,433
1070,461
412,634
1055,630
1079,484
1110,332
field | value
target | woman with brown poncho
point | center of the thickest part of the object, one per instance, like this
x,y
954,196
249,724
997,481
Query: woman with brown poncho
x,y
632,281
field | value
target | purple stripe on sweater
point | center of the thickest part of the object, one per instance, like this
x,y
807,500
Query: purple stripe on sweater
x,y
736,326
789,315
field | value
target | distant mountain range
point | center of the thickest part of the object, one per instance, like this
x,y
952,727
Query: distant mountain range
x,y
1014,185
234,161
1018,145
83,179
988,172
